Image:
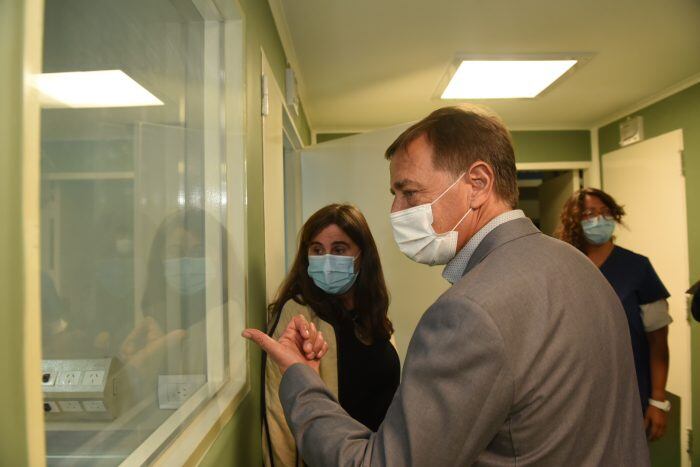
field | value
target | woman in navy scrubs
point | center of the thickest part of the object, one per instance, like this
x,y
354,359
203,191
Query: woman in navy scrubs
x,y
588,221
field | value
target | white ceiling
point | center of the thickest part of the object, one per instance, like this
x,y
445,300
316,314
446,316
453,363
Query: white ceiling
x,y
373,63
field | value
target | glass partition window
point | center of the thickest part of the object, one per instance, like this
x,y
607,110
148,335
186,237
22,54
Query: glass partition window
x,y
135,302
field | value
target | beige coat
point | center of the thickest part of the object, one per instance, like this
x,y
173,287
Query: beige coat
x,y
284,451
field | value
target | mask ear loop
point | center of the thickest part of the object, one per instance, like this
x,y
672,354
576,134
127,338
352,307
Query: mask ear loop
x,y
443,194
448,189
460,221
354,258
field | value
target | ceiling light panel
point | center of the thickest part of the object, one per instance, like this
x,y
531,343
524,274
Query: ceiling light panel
x,y
92,89
504,79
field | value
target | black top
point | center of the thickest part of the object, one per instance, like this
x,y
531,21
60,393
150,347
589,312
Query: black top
x,y
636,284
368,375
695,304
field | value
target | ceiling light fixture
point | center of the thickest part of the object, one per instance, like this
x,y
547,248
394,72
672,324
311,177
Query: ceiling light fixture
x,y
92,89
504,79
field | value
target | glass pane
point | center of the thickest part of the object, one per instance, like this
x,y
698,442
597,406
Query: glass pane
x,y
133,244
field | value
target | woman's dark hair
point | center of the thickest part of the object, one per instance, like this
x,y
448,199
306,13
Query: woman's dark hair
x,y
370,293
570,229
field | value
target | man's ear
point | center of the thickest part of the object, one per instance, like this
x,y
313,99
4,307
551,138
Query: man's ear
x,y
481,177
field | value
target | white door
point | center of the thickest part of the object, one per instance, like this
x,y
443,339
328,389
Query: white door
x,y
273,182
647,179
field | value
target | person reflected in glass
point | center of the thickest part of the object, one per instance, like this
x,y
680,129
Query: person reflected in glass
x,y
588,221
336,282
171,336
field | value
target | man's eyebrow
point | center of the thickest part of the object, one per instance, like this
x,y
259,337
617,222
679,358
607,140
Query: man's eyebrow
x,y
399,184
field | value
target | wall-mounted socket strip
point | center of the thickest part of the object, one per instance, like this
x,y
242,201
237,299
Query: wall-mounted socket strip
x,y
174,390
83,389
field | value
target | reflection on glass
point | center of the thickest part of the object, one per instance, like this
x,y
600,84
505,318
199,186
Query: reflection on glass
x,y
133,290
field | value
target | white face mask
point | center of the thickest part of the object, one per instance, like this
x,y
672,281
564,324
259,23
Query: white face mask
x,y
416,238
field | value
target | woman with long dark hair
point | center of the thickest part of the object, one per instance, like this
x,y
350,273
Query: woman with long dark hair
x,y
588,221
337,283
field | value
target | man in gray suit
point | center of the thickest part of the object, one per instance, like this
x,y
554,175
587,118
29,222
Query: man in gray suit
x,y
525,360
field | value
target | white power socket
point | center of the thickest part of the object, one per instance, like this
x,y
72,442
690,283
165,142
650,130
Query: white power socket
x,y
174,390
70,406
94,406
93,378
69,378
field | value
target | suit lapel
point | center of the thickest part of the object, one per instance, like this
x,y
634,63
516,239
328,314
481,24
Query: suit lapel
x,y
499,236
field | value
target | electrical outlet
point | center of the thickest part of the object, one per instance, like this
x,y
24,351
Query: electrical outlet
x,y
48,378
69,378
180,392
70,406
51,406
93,378
174,390
94,406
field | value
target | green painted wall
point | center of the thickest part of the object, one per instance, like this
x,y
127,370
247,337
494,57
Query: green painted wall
x,y
239,442
323,137
531,146
681,110
13,442
552,146
261,32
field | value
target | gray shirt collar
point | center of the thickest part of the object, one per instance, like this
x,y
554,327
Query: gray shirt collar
x,y
455,268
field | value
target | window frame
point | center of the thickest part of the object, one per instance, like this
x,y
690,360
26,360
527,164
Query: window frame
x,y
185,436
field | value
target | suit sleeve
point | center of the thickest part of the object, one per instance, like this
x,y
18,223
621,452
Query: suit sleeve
x,y
455,395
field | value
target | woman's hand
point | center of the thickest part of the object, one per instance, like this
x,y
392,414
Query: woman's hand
x,y
655,423
299,343
145,346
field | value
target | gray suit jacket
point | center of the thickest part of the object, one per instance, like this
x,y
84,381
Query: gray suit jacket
x,y
525,361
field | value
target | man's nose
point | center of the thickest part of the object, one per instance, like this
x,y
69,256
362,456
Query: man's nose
x,y
396,204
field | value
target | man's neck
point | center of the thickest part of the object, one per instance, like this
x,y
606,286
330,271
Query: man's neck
x,y
477,219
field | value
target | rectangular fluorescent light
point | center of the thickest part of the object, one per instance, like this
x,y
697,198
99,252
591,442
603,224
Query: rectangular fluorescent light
x,y
92,89
504,79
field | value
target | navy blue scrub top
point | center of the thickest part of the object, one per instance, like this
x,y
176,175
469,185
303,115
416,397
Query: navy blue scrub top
x,y
636,284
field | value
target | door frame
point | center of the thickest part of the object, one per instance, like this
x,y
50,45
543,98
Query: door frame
x,y
288,130
32,53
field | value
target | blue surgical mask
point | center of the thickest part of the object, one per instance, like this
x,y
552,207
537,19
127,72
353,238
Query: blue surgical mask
x,y
598,230
332,273
187,275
